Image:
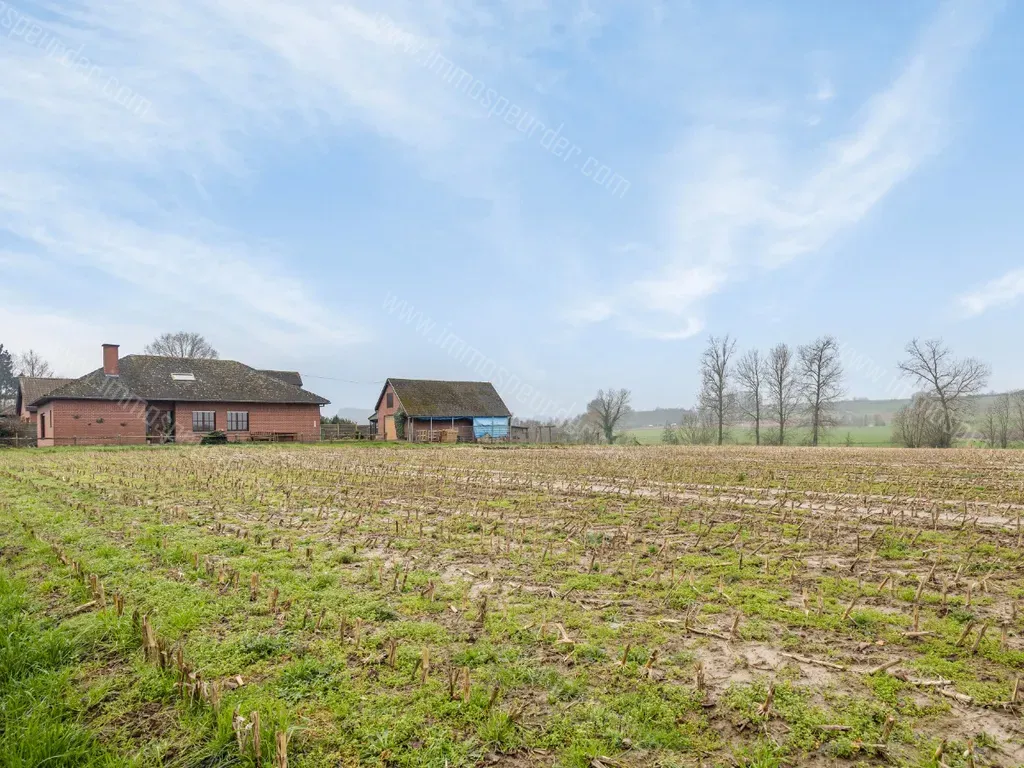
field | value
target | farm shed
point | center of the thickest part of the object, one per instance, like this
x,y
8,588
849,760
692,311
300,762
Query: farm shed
x,y
151,399
440,411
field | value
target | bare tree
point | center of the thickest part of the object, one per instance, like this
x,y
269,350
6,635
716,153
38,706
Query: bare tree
x,y
715,395
697,427
607,409
950,381
1017,414
987,427
916,425
752,372
33,365
997,422
821,383
783,394
184,345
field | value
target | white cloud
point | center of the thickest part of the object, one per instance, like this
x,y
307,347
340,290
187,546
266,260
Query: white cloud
x,y
995,293
88,183
744,200
690,328
587,312
181,268
78,167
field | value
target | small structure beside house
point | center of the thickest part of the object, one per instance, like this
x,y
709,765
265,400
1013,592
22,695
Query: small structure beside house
x,y
30,389
150,399
440,411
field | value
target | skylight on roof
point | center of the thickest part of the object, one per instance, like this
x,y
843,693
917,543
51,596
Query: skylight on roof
x,y
183,377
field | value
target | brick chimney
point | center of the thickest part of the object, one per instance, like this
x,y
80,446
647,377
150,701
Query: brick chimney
x,y
110,366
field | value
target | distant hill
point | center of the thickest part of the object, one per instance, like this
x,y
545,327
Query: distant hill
x,y
857,412
860,409
659,417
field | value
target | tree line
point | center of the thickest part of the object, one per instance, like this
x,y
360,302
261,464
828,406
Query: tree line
x,y
774,392
771,392
1002,423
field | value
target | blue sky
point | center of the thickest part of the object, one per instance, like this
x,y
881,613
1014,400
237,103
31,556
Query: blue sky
x,y
556,196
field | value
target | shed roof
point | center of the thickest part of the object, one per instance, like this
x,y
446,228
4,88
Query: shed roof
x,y
445,399
149,377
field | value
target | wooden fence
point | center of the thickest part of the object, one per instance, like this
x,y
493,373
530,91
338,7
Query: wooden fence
x,y
347,432
17,442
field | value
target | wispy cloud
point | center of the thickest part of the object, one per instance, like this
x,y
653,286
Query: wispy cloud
x,y
825,92
77,186
745,201
78,189
995,293
88,183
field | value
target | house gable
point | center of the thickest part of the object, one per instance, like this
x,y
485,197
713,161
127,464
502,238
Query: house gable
x,y
380,398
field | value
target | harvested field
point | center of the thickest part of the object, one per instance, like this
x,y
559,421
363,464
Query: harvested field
x,y
461,605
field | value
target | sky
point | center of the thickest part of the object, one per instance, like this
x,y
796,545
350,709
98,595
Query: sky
x,y
554,196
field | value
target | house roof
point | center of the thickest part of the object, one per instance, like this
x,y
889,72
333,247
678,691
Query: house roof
x,y
31,388
7,411
288,377
425,398
148,377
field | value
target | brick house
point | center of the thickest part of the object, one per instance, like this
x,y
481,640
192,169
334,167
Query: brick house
x,y
148,399
30,389
423,410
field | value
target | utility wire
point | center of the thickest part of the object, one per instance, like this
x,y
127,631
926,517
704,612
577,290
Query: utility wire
x,y
346,381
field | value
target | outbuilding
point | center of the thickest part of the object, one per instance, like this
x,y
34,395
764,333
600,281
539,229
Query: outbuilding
x,y
424,410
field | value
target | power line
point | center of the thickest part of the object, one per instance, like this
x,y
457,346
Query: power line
x,y
345,381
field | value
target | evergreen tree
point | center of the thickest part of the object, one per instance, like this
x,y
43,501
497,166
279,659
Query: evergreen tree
x,y
8,381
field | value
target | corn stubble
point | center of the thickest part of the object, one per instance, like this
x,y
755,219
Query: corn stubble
x,y
546,579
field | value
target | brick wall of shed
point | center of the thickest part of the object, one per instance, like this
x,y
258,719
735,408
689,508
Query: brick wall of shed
x,y
91,422
302,420
385,411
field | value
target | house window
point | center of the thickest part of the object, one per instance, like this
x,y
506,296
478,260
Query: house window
x,y
391,399
42,425
204,421
238,421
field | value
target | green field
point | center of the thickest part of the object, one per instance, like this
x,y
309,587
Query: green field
x,y
859,436
461,606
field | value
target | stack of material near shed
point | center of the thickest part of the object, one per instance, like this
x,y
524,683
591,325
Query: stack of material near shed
x,y
449,435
